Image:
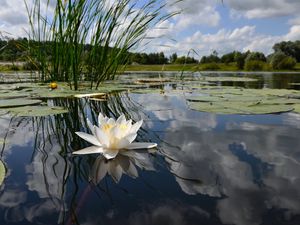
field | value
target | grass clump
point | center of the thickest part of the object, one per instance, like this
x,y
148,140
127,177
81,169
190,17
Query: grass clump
x,y
91,38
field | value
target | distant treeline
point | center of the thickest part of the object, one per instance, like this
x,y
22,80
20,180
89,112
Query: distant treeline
x,y
285,56
16,50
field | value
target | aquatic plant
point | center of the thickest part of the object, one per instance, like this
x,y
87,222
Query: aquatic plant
x,y
112,136
77,39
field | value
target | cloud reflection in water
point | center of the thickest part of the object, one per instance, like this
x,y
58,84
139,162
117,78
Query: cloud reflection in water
x,y
253,168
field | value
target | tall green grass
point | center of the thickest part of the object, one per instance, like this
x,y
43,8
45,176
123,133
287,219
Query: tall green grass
x,y
59,36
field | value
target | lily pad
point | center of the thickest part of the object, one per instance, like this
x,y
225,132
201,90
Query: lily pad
x,y
152,80
37,111
8,103
224,79
107,88
280,101
204,98
13,94
57,93
2,172
239,108
148,91
95,95
297,108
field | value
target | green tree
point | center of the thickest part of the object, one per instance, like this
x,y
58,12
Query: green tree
x,y
279,61
173,58
256,56
289,48
239,58
228,58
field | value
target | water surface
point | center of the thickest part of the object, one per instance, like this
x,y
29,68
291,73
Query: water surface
x,y
208,169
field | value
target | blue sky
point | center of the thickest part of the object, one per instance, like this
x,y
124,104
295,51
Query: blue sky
x,y
203,25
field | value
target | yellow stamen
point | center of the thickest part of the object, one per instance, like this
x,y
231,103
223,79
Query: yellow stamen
x,y
123,127
106,127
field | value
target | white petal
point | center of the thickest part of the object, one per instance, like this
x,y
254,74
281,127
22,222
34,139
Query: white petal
x,y
122,144
116,132
89,150
141,145
102,119
90,125
121,119
102,137
110,153
111,121
135,127
90,138
131,137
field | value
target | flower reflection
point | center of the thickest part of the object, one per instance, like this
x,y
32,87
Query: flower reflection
x,y
112,136
125,163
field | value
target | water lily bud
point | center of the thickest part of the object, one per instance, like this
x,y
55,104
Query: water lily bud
x,y
53,85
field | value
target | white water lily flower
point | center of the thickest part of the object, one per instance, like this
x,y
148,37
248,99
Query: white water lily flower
x,y
112,136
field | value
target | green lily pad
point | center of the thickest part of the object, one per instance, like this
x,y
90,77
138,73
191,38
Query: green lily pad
x,y
223,91
205,98
95,95
107,88
273,92
12,94
2,172
57,93
148,91
152,80
280,101
37,111
224,79
297,108
238,108
8,103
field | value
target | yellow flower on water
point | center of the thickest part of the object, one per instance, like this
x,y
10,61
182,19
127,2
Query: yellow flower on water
x,y
112,136
53,85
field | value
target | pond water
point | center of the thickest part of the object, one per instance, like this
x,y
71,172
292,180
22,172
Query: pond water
x,y
208,168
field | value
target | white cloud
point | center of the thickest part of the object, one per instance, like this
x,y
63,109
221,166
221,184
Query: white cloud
x,y
264,9
200,12
294,33
240,39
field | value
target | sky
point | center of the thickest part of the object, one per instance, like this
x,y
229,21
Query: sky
x,y
203,26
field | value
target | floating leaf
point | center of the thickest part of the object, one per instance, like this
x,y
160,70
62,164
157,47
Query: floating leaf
x,y
280,101
101,95
224,79
107,88
152,80
2,172
56,93
13,94
297,108
148,91
239,108
205,98
7,103
37,111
